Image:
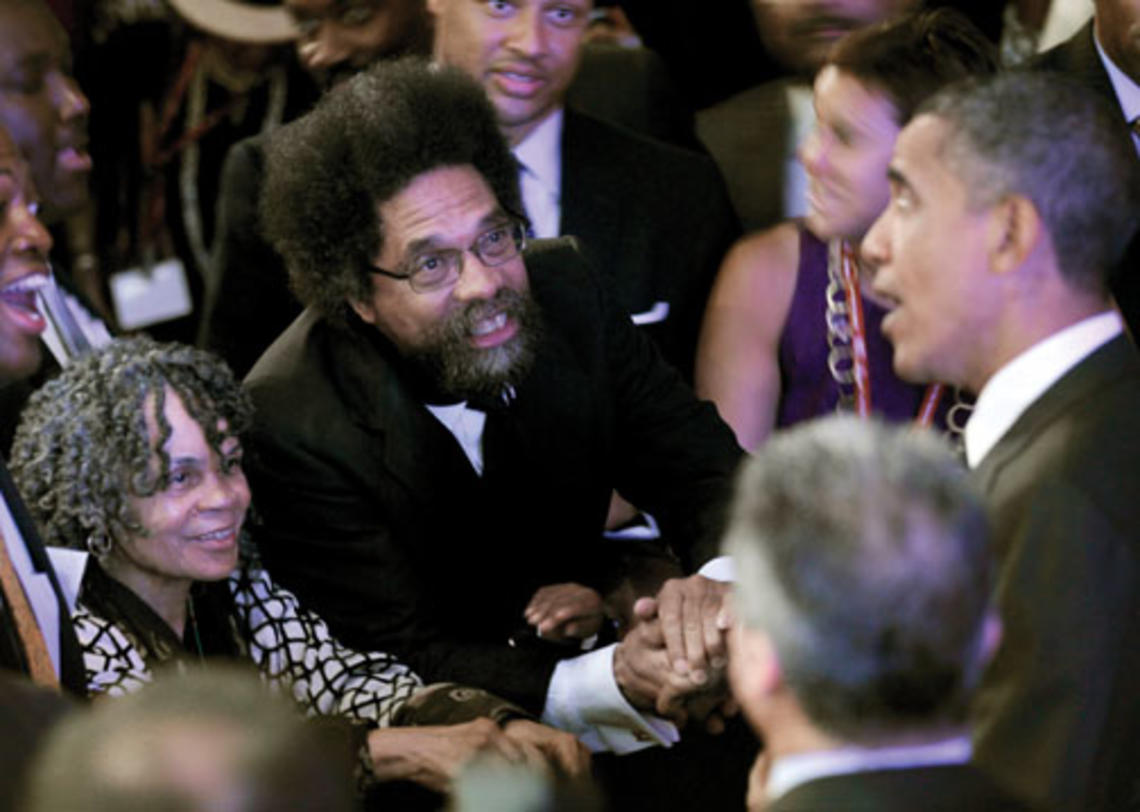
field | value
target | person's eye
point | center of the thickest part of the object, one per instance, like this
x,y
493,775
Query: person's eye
x,y
181,478
429,264
232,463
25,82
844,135
357,15
499,8
564,16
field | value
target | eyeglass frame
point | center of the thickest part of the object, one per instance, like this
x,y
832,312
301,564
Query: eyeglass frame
x,y
519,238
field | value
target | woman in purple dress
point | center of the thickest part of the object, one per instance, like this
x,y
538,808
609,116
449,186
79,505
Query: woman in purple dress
x,y
791,331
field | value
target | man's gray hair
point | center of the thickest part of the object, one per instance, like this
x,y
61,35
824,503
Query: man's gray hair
x,y
1045,137
861,551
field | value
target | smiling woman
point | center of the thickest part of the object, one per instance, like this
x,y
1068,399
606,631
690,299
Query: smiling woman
x,y
24,246
790,332
133,452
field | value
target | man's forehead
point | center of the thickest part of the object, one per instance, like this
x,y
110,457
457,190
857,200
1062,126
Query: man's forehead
x,y
443,199
918,150
30,34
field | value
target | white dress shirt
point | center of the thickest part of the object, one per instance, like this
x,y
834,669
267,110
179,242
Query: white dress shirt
x,y
540,175
583,697
789,772
1019,383
1127,91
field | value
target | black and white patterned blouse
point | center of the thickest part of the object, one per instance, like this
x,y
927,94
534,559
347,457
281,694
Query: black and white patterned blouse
x,y
249,617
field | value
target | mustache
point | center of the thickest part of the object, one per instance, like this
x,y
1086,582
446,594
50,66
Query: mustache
x,y
505,300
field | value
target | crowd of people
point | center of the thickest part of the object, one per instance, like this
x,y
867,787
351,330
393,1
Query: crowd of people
x,y
563,432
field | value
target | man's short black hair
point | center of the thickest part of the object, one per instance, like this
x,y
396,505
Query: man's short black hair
x,y
366,140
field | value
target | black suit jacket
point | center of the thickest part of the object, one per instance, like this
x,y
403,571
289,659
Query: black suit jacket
x,y
374,516
654,219
1057,717
921,789
1077,57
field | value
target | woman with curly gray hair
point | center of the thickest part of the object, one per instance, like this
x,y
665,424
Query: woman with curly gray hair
x,y
133,453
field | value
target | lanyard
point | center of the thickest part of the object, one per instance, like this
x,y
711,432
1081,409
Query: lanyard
x,y
849,274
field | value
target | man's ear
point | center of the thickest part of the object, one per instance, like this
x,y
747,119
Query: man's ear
x,y
757,669
366,310
1015,233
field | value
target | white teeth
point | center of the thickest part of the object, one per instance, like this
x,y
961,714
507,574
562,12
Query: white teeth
x,y
30,283
485,326
216,535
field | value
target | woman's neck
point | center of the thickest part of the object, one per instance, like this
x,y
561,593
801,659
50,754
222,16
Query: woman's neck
x,y
166,596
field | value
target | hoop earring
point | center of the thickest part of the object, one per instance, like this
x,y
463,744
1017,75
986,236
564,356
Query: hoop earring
x,y
98,545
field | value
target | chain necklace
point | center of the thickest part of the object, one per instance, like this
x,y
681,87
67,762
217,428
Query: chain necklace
x,y
847,359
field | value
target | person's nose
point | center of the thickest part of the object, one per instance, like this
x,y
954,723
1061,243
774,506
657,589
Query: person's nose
x,y
31,235
476,281
810,151
69,99
223,490
527,33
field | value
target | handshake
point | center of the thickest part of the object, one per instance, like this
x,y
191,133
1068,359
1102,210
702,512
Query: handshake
x,y
674,659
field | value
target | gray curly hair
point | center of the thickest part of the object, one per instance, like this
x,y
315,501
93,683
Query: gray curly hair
x,y
82,446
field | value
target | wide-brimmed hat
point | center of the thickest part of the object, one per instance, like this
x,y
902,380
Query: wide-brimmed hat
x,y
260,21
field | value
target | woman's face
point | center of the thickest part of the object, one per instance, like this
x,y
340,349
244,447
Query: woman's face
x,y
846,156
193,525
24,247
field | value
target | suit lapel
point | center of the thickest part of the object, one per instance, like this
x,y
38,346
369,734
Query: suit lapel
x,y
411,444
588,210
1105,365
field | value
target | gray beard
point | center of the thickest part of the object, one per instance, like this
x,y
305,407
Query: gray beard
x,y
466,372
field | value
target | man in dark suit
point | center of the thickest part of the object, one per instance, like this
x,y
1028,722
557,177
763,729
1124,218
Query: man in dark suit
x,y
654,219
1105,56
438,433
864,620
1010,201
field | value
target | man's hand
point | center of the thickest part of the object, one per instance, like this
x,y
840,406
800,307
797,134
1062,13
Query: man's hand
x,y
565,611
694,621
562,751
433,755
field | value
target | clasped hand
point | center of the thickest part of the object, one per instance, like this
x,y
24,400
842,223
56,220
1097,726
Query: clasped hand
x,y
673,661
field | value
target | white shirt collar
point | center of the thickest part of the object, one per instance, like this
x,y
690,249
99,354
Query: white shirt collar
x,y
541,152
466,425
1015,386
1127,91
789,772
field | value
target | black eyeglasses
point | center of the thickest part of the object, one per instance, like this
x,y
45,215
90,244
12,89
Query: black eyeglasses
x,y
437,269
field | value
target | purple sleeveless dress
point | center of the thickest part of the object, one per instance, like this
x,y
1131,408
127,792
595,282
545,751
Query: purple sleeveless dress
x,y
807,387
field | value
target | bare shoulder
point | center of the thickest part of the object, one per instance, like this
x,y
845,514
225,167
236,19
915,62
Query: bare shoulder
x,y
759,273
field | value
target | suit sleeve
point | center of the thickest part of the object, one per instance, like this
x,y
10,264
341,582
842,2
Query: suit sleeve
x,y
1067,597
674,456
326,534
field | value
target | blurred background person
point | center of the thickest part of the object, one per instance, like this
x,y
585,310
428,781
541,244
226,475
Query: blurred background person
x,y
779,342
191,742
862,601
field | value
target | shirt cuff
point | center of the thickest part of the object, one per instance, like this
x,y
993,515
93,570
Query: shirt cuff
x,y
584,699
719,569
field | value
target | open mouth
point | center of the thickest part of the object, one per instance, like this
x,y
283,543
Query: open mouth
x,y
492,330
19,298
521,83
74,159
